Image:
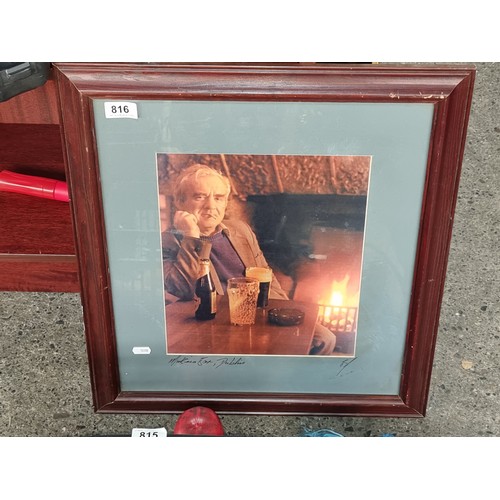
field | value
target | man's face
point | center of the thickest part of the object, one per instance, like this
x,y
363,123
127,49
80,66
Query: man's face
x,y
206,198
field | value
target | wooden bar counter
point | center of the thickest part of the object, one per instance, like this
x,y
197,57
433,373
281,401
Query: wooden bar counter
x,y
186,335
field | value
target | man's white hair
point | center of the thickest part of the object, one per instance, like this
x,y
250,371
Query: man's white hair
x,y
195,172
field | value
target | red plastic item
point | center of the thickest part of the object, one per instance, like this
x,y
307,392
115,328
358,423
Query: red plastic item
x,y
198,421
31,185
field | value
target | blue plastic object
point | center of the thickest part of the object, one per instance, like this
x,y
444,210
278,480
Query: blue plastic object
x,y
321,433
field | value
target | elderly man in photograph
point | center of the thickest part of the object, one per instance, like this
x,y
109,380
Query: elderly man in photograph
x,y
200,231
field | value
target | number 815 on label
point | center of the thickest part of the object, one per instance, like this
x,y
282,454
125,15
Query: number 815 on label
x,y
149,433
117,109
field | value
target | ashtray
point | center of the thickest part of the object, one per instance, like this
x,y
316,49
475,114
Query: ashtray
x,y
285,317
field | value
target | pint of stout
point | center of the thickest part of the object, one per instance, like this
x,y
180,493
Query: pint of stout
x,y
264,275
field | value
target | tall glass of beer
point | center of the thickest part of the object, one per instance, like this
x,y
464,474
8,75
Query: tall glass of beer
x,y
264,275
242,293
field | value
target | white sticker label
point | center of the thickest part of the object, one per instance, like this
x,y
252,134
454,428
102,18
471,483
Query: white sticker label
x,y
141,350
149,433
120,110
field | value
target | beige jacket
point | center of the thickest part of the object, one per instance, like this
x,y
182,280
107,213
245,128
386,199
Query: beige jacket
x,y
181,257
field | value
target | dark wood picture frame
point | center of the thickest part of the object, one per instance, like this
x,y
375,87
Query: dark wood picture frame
x,y
447,87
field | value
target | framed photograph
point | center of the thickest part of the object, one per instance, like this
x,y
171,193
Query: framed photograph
x,y
307,216
262,238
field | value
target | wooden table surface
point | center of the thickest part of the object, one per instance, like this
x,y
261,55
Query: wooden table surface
x,y
186,335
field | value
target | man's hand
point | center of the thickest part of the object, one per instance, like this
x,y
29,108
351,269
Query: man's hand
x,y
187,223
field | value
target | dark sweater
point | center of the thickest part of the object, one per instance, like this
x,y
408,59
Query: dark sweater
x,y
226,261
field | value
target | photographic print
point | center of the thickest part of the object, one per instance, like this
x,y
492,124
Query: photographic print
x,y
302,217
262,238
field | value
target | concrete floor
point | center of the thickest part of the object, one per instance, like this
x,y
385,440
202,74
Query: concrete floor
x,y
44,381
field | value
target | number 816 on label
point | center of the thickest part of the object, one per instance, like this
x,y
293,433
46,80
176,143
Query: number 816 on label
x,y
117,109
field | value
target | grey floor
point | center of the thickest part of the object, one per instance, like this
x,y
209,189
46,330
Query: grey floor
x,y
44,381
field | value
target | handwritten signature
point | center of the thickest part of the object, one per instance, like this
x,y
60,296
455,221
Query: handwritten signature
x,y
206,361
344,365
